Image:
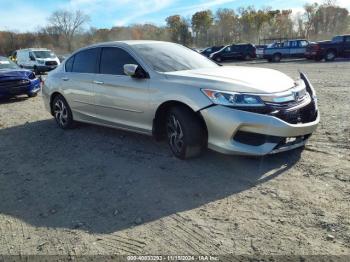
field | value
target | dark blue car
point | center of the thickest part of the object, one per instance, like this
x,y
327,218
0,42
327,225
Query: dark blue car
x,y
17,81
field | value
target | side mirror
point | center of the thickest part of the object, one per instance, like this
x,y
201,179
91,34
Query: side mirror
x,y
32,58
130,69
135,71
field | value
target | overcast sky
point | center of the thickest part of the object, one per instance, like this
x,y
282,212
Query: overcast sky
x,y
29,15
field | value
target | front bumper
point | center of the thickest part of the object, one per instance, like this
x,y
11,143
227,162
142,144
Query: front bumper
x,y
224,123
18,87
233,131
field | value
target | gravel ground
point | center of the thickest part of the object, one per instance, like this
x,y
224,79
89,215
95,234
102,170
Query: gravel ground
x,y
95,190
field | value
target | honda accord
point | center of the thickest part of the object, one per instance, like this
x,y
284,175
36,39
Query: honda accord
x,y
169,91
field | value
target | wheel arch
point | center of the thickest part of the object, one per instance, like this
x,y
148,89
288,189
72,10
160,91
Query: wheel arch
x,y
158,125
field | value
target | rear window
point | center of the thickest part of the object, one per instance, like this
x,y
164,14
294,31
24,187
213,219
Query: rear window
x,y
85,61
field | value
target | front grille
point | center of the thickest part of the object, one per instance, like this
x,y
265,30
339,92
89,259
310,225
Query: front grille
x,y
50,63
305,114
13,86
285,112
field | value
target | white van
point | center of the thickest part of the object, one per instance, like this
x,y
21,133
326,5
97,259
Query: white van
x,y
37,59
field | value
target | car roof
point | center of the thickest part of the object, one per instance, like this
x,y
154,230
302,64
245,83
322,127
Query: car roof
x,y
34,49
128,43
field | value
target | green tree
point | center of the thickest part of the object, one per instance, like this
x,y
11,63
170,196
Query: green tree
x,y
201,22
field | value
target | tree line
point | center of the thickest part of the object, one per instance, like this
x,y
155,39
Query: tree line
x,y
65,31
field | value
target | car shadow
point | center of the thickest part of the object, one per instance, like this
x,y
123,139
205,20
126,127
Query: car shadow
x,y
103,180
15,99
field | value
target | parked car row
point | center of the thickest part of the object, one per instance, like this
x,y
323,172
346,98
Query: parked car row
x,y
339,46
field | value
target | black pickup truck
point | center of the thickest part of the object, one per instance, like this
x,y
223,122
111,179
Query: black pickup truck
x,y
339,46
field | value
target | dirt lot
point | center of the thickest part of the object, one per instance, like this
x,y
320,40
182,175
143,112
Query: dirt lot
x,y
95,190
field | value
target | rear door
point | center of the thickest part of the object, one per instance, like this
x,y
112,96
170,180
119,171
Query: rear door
x,y
120,100
78,82
347,46
294,49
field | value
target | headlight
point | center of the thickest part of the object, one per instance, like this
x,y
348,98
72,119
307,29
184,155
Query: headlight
x,y
233,99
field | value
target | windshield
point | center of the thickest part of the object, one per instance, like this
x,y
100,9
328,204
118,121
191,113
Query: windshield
x,y
7,64
44,54
169,57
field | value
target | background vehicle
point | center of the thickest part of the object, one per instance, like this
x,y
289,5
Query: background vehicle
x,y
237,51
260,50
288,49
37,59
13,56
211,50
167,90
339,46
16,81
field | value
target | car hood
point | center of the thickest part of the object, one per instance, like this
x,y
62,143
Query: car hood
x,y
14,73
325,42
236,79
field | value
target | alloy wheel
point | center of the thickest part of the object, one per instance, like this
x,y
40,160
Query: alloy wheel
x,y
61,112
175,134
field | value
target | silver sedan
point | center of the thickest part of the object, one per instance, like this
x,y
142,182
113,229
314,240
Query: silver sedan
x,y
171,92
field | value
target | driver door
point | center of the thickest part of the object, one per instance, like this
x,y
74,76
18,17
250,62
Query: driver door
x,y
120,100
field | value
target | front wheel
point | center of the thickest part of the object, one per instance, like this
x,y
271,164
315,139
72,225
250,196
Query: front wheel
x,y
276,58
330,56
247,57
218,59
185,132
32,94
62,112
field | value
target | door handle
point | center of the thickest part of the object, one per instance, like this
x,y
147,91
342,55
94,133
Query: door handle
x,y
65,78
98,82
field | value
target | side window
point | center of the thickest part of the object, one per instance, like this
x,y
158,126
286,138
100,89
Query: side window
x,y
303,43
113,60
69,64
347,39
337,39
31,56
294,44
85,61
228,49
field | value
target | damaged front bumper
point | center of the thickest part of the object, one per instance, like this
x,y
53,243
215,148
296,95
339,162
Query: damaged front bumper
x,y
234,131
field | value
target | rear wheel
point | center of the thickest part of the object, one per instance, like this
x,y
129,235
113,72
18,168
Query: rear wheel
x,y
330,55
185,132
62,112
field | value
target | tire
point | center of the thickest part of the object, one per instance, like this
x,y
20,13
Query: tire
x,y
32,94
247,57
276,58
330,55
185,132
218,59
62,112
